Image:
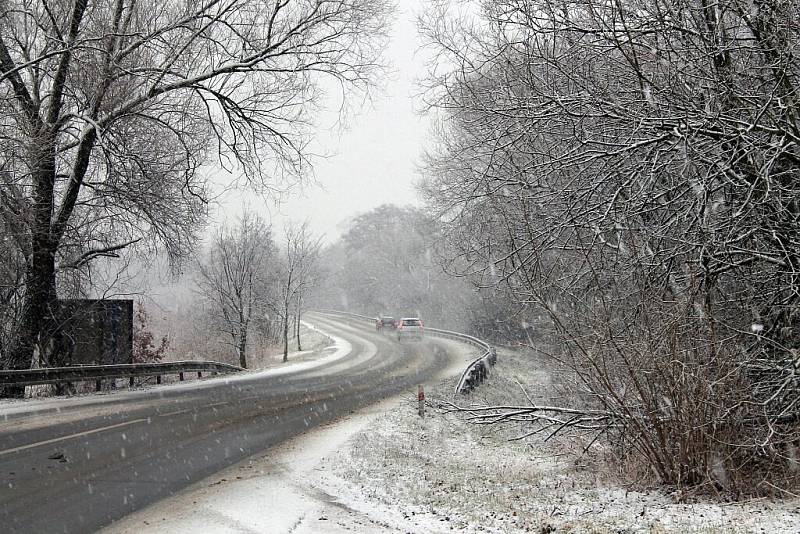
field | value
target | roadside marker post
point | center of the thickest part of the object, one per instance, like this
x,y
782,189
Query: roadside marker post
x,y
421,398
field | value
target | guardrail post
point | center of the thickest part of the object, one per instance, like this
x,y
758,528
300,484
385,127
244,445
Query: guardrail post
x,y
130,382
158,379
199,374
180,376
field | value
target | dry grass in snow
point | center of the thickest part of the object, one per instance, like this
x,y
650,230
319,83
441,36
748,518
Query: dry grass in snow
x,y
441,474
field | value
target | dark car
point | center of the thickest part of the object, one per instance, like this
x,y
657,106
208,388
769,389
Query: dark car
x,y
385,322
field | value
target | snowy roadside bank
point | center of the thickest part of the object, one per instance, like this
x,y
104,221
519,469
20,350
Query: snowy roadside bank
x,y
441,474
312,339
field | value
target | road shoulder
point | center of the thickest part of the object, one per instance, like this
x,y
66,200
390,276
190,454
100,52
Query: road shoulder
x,y
269,492
443,474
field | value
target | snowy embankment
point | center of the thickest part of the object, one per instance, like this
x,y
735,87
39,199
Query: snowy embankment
x,y
313,340
441,474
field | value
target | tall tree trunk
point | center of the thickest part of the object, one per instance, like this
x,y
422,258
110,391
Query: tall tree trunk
x,y
297,330
242,347
40,277
286,333
37,323
297,322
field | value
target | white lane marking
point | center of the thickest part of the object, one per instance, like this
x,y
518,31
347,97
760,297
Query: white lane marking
x,y
76,435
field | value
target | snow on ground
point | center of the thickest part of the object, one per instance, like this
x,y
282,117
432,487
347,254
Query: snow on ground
x,y
440,474
312,340
268,492
335,349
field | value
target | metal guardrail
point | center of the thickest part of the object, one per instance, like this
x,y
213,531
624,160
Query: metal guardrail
x,y
475,373
80,373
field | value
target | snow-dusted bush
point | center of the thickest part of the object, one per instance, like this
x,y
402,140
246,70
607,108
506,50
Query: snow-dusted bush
x,y
631,168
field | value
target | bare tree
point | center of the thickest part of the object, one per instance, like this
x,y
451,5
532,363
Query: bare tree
x,y
299,266
233,276
110,108
631,168
13,225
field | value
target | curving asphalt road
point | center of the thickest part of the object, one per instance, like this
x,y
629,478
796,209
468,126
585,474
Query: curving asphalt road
x,y
79,467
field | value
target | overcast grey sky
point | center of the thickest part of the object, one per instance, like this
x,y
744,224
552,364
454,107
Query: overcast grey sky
x,y
372,162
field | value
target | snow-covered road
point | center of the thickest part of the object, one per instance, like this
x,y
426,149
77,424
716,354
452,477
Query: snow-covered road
x,y
96,461
277,491
269,492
